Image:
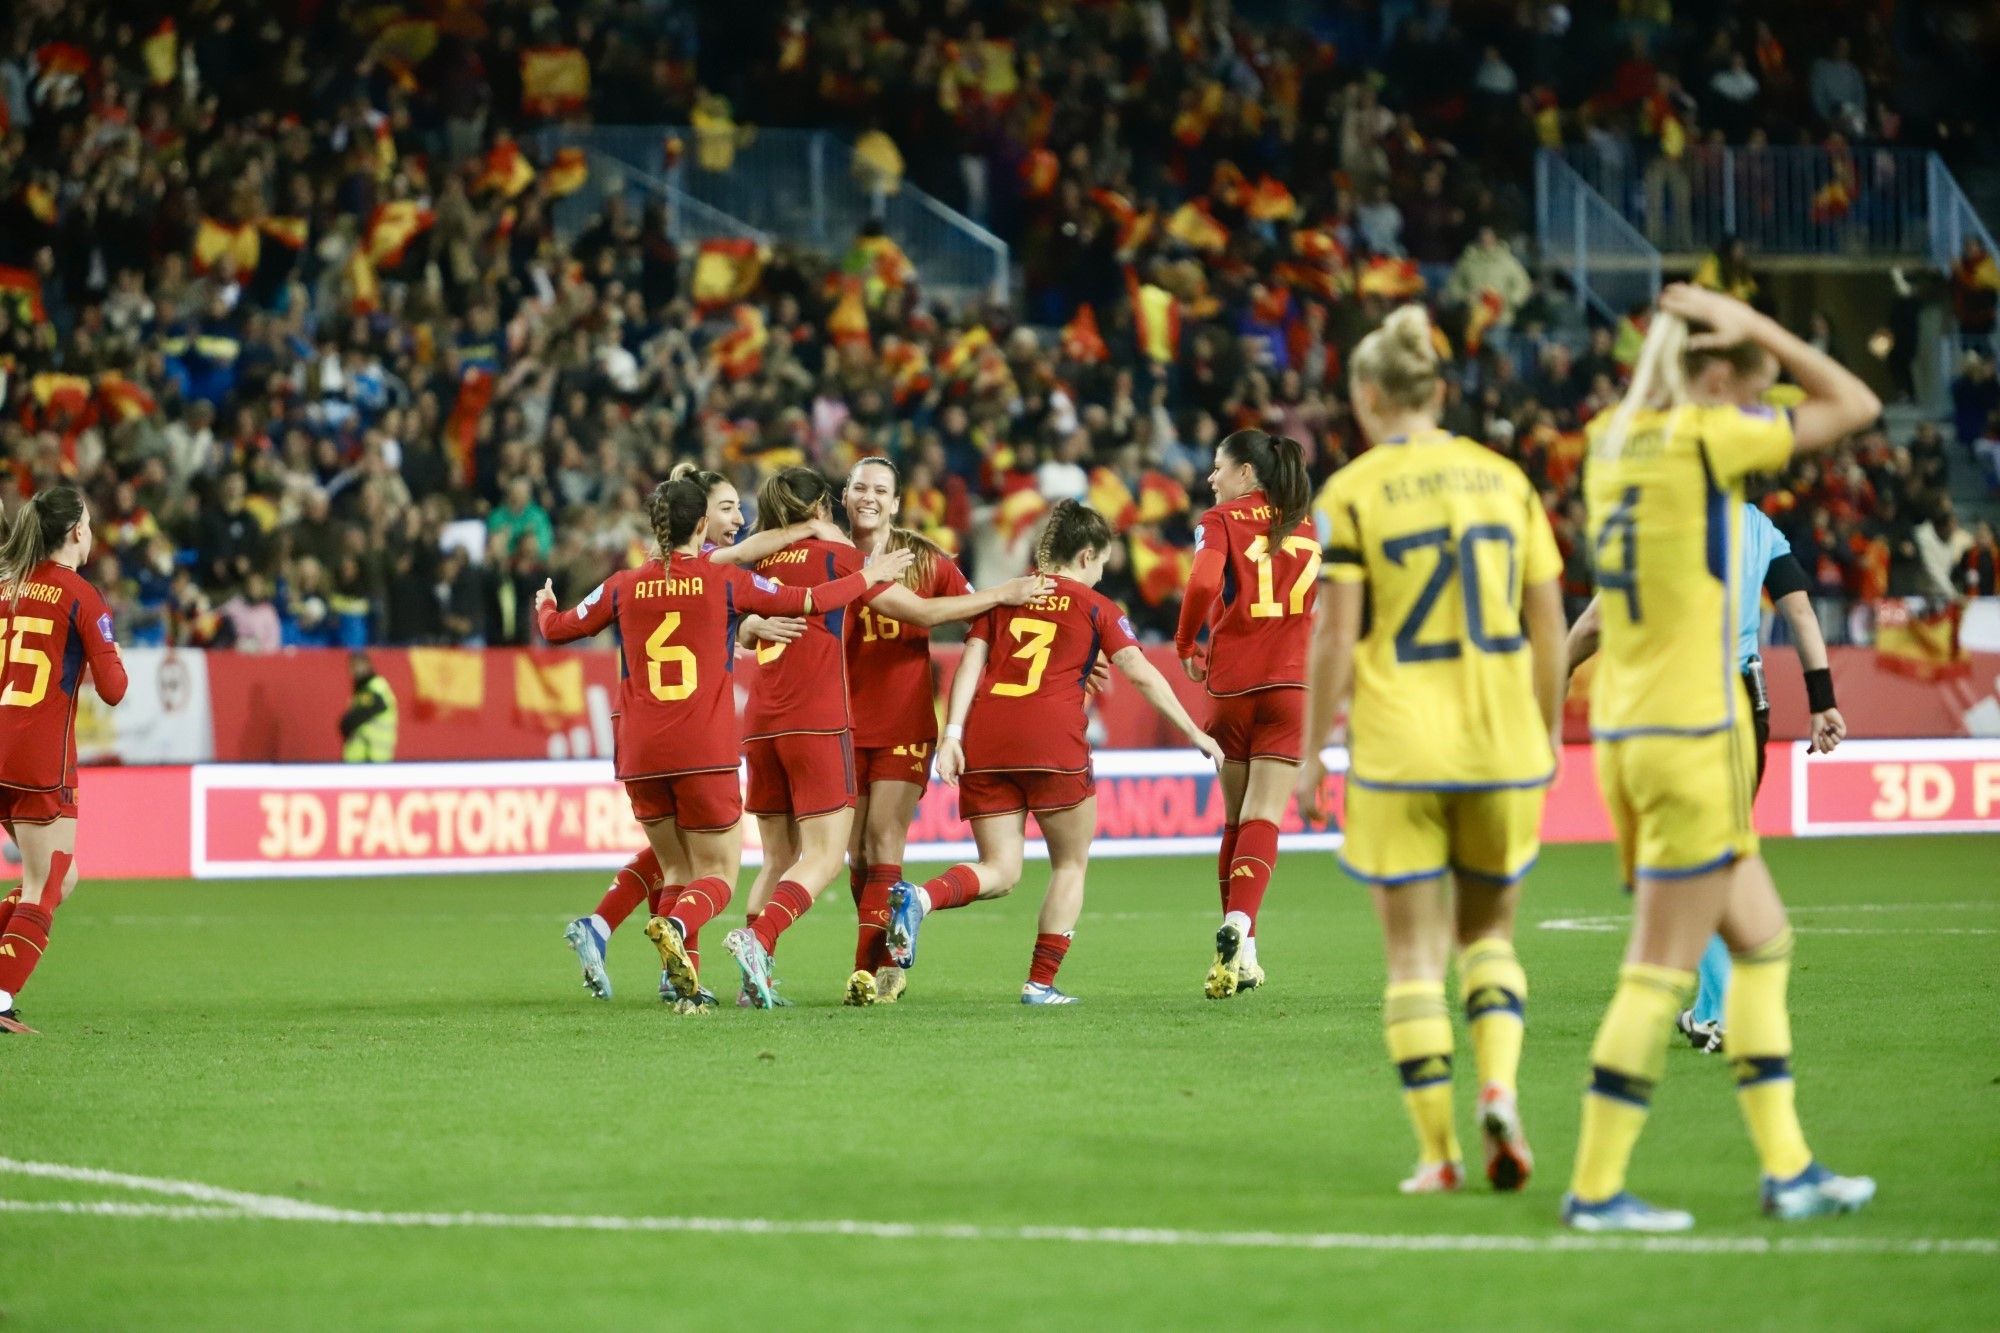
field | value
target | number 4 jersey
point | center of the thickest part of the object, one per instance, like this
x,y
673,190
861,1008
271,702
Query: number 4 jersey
x,y
53,628
676,628
1028,713
1444,533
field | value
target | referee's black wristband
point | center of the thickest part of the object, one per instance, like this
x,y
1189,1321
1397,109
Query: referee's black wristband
x,y
1819,690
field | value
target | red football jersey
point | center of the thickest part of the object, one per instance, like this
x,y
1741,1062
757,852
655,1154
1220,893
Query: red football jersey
x,y
54,628
677,655
1260,626
802,685
889,669
1028,712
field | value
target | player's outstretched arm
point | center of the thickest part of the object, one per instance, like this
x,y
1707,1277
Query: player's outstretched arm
x,y
1329,678
902,604
760,544
590,616
1542,610
1836,404
1581,644
951,749
1829,728
1146,678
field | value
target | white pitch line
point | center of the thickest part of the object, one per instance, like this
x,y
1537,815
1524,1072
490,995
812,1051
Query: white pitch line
x,y
275,1208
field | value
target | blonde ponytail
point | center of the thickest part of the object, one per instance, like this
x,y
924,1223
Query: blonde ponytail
x,y
1659,377
1401,359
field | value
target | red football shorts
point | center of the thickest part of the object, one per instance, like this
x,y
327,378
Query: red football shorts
x,y
1008,791
696,802
36,807
1263,724
802,774
894,763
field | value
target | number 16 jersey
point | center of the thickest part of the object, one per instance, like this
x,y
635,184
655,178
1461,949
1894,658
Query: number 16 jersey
x,y
1028,713
1444,534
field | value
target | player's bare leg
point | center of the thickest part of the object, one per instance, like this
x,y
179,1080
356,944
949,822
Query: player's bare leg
x,y
49,875
675,874
1255,795
882,830
999,840
1417,929
1068,834
1495,993
821,842
714,858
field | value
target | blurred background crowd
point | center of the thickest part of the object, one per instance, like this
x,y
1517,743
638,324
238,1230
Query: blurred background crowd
x,y
281,283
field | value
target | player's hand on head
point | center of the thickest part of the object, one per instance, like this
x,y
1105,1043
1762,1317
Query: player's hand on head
x,y
888,566
779,629
1728,319
1019,591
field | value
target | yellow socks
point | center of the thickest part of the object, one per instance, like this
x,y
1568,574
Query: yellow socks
x,y
1757,1038
1627,1060
1496,992
1419,1031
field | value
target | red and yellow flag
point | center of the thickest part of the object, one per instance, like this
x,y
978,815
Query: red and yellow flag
x,y
21,292
1485,313
1270,201
739,353
555,81
505,172
1111,497
1923,644
1039,172
909,369
847,324
1159,568
1081,340
1160,497
548,689
1018,512
290,232
215,241
963,357
161,53
567,173
726,270
447,680
1393,279
1195,227
120,400
391,229
1156,321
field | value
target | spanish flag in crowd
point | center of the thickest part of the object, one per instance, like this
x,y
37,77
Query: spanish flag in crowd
x,y
21,293
120,400
1111,497
739,353
1227,184
215,241
1191,125
963,357
392,228
567,173
161,52
447,680
1485,313
1081,341
1039,172
62,60
909,369
290,232
555,81
882,265
475,395
847,325
1159,568
1831,201
1195,227
1133,226
1156,321
1270,201
726,270
505,171
364,286
1393,279
1018,511
548,689
1160,497
61,397
924,511
1922,643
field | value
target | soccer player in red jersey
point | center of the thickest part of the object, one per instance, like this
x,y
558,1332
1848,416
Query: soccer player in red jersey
x,y
644,878
895,709
1015,743
1254,583
54,625
797,729
677,729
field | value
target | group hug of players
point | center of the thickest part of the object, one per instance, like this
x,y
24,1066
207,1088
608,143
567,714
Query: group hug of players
x,y
1440,625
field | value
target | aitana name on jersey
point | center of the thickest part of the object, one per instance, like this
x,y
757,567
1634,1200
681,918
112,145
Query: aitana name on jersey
x,y
646,589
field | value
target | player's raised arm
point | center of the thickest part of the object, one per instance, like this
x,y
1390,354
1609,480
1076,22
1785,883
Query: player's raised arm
x,y
1132,664
589,617
770,541
1836,402
929,612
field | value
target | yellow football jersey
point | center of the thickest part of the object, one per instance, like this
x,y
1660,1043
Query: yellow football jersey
x,y
1666,522
1444,533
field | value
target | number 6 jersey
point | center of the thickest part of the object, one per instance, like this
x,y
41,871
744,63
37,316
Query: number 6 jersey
x,y
56,625
1444,533
676,628
1028,713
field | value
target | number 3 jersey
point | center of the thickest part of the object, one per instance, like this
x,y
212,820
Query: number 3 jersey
x,y
1261,620
1444,534
56,626
676,628
1028,713
1666,533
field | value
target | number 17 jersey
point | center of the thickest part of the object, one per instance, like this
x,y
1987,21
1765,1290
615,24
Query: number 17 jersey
x,y
1444,534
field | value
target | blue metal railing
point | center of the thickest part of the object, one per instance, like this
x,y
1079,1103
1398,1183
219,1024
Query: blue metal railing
x,y
689,220
802,187
1953,222
1781,201
1610,265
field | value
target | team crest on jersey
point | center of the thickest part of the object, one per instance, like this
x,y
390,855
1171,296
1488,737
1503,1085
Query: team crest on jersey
x,y
104,627
764,584
1200,536
1125,623
591,600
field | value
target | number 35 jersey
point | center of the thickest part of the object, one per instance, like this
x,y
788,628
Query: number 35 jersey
x,y
1028,713
1666,529
1444,534
54,627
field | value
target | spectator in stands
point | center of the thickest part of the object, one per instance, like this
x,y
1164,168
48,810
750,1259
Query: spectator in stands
x,y
1839,93
1975,289
1986,453
1488,265
1726,269
1975,396
1942,544
522,517
1732,101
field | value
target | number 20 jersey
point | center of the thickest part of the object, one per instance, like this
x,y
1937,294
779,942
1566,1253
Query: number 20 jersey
x,y
1444,533
1666,532
1028,713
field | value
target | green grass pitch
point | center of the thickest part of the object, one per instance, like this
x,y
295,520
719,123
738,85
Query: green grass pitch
x,y
424,1045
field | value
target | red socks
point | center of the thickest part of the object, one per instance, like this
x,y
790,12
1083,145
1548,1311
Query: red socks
x,y
1255,856
871,909
787,905
954,888
1225,858
7,906
697,905
1049,951
21,947
627,891
857,881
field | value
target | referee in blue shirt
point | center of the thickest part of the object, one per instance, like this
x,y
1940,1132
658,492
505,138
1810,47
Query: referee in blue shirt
x,y
1768,564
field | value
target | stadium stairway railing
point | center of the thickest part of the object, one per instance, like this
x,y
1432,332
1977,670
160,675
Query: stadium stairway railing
x,y
689,220
802,187
1610,264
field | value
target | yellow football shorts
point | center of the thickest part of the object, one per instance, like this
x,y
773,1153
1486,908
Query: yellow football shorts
x,y
1681,804
1396,837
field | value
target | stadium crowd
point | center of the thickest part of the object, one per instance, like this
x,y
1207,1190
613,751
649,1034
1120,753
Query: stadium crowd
x,y
284,292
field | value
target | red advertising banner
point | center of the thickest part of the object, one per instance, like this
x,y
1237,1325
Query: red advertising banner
x,y
1902,787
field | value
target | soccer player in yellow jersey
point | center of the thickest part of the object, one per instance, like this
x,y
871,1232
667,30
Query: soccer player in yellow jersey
x,y
1457,684
1663,481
